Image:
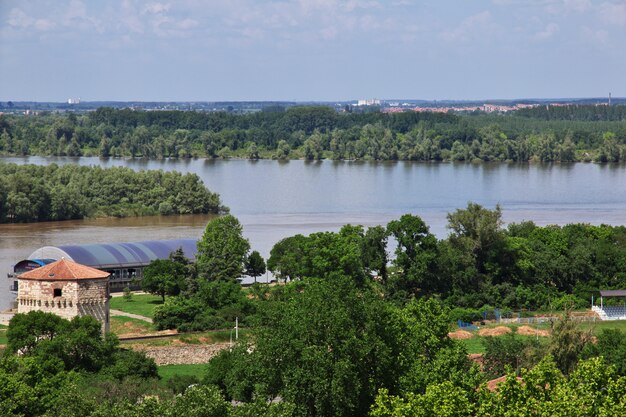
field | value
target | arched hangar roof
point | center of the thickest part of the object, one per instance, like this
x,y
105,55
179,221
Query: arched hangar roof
x,y
118,255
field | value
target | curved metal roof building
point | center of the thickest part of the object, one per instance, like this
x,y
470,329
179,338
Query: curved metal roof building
x,y
118,255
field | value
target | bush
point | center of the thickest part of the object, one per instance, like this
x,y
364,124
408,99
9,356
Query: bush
x,y
175,312
130,363
509,351
128,296
467,315
179,383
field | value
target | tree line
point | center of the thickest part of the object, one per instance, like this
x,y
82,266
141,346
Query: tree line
x,y
30,193
349,333
542,134
480,266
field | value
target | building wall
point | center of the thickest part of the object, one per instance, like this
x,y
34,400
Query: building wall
x,y
93,300
35,295
78,298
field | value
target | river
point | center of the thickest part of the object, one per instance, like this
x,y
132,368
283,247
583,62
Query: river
x,y
277,199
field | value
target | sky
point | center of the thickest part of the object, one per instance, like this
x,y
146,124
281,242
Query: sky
x,y
311,50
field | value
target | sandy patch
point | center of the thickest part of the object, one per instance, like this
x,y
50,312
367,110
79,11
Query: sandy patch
x,y
529,331
460,335
495,331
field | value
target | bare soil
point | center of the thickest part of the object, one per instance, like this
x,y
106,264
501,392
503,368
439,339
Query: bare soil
x,y
494,331
529,331
460,335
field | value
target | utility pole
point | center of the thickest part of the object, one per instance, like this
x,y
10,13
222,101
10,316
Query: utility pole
x,y
236,328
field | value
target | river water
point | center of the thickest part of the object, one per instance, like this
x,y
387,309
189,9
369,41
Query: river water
x,y
277,199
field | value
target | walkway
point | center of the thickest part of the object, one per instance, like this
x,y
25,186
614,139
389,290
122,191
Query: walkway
x,y
131,315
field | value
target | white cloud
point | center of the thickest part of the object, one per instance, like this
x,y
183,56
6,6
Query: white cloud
x,y
596,36
156,8
187,24
550,30
471,27
614,13
19,19
578,5
129,17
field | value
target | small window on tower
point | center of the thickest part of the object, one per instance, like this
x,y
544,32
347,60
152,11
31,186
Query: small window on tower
x,y
58,292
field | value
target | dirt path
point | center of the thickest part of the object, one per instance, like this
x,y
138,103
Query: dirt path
x,y
131,315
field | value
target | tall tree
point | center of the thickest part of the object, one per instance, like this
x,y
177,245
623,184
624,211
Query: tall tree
x,y
415,256
478,230
255,265
222,250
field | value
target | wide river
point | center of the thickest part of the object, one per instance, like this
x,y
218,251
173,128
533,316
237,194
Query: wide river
x,y
278,199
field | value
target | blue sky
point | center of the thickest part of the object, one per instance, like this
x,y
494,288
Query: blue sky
x,y
209,50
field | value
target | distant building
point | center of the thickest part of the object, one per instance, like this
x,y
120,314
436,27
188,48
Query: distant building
x,y
124,261
67,289
369,102
73,101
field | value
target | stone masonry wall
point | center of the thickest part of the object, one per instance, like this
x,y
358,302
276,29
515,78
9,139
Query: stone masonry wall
x,y
36,295
181,354
79,298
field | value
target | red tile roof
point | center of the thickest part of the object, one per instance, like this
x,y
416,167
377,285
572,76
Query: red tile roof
x,y
64,270
494,383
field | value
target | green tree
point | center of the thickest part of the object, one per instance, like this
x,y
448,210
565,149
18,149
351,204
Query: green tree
x,y
255,265
164,277
415,256
222,250
477,230
375,255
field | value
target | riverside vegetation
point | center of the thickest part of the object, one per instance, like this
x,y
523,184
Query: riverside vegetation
x,y
38,193
553,133
334,340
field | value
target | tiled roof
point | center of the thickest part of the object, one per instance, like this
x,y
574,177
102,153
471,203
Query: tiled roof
x,y
494,383
64,270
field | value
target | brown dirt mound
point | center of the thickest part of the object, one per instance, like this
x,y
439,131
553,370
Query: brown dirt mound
x,y
460,335
529,331
494,331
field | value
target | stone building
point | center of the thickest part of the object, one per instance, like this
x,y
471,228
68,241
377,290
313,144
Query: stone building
x,y
67,289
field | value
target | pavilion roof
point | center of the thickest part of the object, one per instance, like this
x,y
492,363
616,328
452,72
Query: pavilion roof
x,y
613,293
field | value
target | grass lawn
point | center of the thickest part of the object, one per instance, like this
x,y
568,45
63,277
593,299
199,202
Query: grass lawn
x,y
143,304
475,344
3,336
597,326
126,325
168,371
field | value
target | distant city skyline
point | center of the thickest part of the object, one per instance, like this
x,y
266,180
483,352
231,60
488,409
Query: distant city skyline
x,y
311,50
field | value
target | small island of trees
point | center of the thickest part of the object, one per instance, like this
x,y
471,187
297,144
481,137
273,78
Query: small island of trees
x,y
33,193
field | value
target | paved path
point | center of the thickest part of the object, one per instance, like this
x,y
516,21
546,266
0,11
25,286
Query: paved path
x,y
133,316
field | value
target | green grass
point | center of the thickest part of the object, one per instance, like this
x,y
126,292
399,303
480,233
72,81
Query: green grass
x,y
3,337
143,304
474,345
598,326
166,372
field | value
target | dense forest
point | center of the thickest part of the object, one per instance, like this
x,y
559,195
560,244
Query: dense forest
x,y
344,336
480,266
541,134
32,193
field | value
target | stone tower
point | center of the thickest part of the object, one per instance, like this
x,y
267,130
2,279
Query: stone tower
x,y
67,289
